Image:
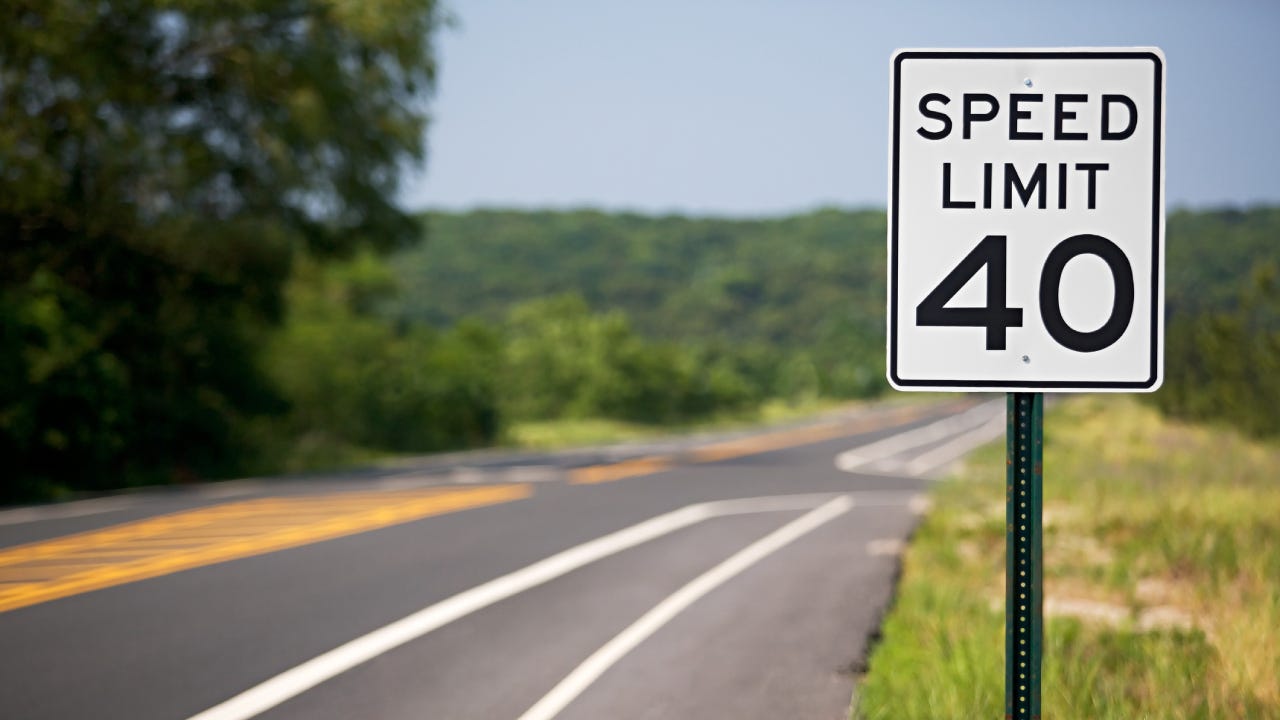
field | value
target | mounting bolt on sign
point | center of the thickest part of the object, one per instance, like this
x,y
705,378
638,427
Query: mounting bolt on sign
x,y
1026,220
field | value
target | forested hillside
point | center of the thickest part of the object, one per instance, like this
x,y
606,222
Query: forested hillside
x,y
1222,347
1213,256
796,304
805,294
504,317
790,281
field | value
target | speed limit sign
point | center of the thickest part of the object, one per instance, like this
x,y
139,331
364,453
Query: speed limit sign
x,y
1026,220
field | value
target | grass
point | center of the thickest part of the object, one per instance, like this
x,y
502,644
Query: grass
x,y
1162,569
318,452
571,432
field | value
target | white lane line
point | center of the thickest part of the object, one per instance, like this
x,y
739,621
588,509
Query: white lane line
x,y
601,660
879,452
944,454
301,678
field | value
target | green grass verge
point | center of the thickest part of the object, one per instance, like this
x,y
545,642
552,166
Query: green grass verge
x,y
318,452
573,432
1162,570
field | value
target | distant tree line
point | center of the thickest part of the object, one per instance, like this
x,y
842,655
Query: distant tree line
x,y
798,302
1222,352
503,317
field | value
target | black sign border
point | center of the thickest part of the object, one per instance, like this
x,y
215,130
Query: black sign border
x,y
1154,379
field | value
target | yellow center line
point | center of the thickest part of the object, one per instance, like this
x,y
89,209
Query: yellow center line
x,y
26,573
593,474
765,443
127,553
753,445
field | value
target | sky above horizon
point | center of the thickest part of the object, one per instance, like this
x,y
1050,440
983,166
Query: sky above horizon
x,y
755,107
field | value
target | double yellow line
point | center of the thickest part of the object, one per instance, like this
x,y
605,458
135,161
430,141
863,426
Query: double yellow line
x,y
58,568
44,571
741,447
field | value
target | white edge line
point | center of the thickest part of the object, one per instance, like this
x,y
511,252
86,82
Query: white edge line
x,y
303,677
944,454
611,652
299,679
887,447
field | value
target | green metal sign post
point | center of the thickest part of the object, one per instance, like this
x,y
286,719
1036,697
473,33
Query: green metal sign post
x,y
947,229
1024,556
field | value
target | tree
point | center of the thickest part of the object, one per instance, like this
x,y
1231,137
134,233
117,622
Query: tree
x,y
357,384
161,164
1225,364
562,360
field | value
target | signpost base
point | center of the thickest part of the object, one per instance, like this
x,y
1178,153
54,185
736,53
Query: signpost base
x,y
1024,581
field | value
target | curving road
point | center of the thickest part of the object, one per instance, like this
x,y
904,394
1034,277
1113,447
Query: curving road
x,y
732,576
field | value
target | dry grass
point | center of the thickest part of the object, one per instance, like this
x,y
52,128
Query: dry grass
x,y
1162,547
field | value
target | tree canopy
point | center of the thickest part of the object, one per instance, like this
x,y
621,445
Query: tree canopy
x,y
162,162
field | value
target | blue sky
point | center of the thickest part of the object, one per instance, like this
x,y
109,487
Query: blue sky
x,y
764,107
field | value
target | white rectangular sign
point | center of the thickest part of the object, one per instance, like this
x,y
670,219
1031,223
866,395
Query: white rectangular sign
x,y
1026,220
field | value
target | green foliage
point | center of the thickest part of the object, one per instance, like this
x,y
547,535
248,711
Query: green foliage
x,y
774,280
1223,338
354,381
796,305
1225,364
1222,346
1212,255
563,361
122,370
749,294
160,164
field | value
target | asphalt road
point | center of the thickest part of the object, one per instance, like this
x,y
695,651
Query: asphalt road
x,y
737,576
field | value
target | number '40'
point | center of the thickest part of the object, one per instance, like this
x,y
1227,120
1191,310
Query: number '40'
x,y
997,318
